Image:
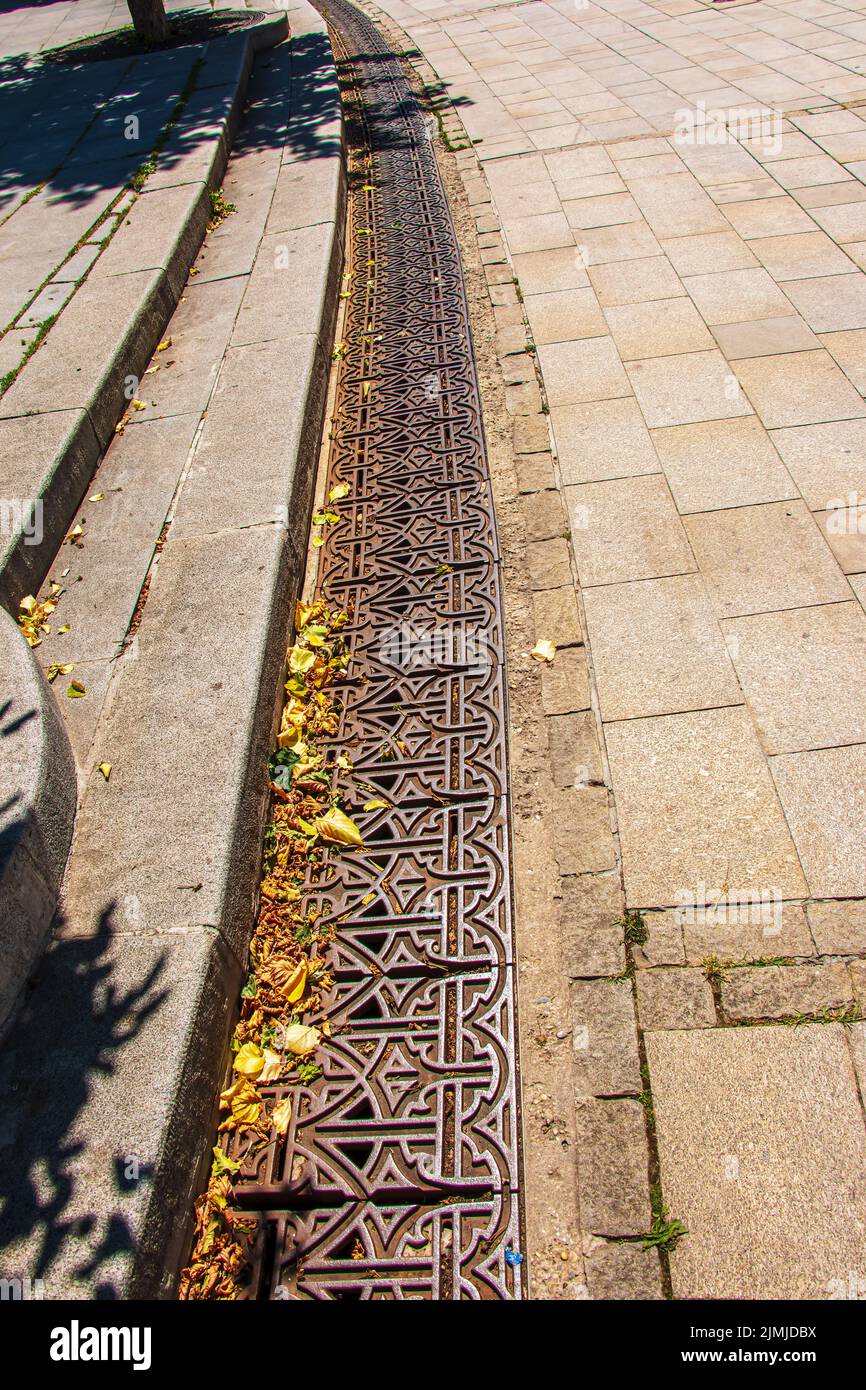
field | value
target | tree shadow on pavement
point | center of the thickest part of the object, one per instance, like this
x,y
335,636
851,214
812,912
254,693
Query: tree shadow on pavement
x,y
81,127
69,1034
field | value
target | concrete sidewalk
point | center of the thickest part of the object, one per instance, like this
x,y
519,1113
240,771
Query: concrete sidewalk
x,y
696,305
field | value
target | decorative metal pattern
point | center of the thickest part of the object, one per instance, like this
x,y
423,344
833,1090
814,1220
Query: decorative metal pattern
x,y
399,1175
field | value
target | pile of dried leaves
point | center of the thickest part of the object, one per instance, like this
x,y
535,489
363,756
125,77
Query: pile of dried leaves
x,y
271,1042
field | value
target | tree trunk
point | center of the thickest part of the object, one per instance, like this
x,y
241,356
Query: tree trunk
x,y
148,17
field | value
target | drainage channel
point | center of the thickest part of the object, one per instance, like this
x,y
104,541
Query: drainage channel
x,y
399,1173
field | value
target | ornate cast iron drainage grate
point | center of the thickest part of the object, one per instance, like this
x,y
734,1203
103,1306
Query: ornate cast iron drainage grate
x,y
399,1176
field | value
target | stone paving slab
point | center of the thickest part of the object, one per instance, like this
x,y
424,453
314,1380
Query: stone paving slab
x,y
696,805
744,1118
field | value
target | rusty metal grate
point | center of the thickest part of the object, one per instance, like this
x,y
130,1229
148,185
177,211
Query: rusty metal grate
x,y
399,1176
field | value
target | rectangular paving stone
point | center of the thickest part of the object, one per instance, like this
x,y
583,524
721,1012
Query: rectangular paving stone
x,y
286,285
138,478
170,709
589,926
602,245
707,253
840,529
784,991
622,1270
609,210
588,370
742,1119
249,402
613,1167
848,350
589,186
676,205
696,806
721,463
565,682
531,434
765,337
47,303
805,173
624,529
758,559
830,303
843,221
556,615
674,998
686,388
602,439
839,928
826,461
539,233
736,296
657,648
604,1037
801,256
564,315
578,163
664,941
543,515
657,329
734,928
549,564
768,217
635,282
817,652
575,759
543,272
200,329
582,836
823,793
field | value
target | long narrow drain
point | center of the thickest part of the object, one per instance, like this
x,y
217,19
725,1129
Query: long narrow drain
x,y
399,1174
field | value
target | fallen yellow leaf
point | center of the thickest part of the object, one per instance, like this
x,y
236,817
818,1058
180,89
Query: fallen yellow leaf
x,y
242,1099
272,1068
57,669
544,650
76,690
338,828
249,1060
105,769
376,805
301,1040
338,492
289,977
300,660
282,1115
